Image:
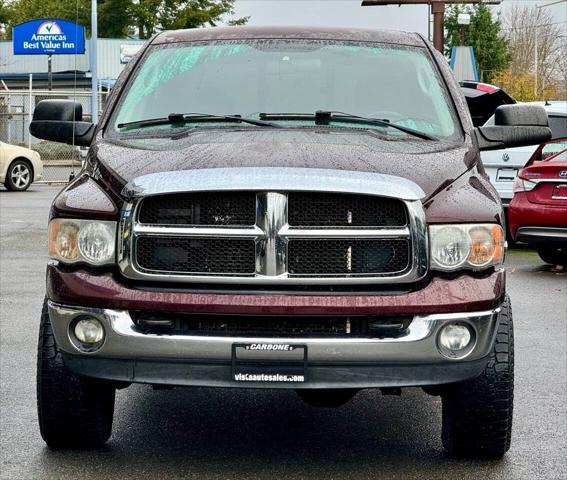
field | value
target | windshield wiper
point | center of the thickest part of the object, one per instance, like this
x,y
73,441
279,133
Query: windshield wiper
x,y
324,117
173,118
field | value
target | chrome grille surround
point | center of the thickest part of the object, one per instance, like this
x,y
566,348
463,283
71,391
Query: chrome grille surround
x,y
271,231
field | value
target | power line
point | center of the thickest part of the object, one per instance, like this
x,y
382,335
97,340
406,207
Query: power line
x,y
532,26
552,3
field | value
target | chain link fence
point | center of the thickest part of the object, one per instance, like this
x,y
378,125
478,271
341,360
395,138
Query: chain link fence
x,y
60,161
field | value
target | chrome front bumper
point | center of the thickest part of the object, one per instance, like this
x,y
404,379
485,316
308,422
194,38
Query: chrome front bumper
x,y
412,359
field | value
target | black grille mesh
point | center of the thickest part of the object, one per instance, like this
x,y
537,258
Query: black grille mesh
x,y
210,208
344,210
320,257
336,257
200,255
269,326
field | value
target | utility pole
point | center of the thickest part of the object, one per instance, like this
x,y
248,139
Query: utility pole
x,y
49,72
93,60
437,8
535,59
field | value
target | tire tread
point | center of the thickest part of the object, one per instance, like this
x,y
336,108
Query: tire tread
x,y
73,411
477,414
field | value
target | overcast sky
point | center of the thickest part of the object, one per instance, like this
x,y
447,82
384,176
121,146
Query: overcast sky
x,y
350,13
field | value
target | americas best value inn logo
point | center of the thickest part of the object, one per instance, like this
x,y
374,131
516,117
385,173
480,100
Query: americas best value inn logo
x,y
48,36
49,28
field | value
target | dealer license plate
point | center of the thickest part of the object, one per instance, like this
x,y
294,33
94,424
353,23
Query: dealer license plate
x,y
269,362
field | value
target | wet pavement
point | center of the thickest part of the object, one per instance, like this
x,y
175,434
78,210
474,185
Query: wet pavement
x,y
214,433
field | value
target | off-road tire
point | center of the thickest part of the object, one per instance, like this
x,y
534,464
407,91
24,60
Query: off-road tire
x,y
19,167
477,414
73,411
553,255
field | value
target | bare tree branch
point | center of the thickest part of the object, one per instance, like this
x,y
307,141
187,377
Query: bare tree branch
x,y
526,27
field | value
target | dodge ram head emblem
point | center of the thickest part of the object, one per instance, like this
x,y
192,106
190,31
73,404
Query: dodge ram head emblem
x,y
563,173
505,157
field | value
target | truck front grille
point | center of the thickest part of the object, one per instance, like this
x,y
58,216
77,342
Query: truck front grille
x,y
270,237
343,257
196,255
203,208
344,210
270,326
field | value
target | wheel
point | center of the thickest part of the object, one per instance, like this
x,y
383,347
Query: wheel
x,y
73,411
477,414
19,176
553,255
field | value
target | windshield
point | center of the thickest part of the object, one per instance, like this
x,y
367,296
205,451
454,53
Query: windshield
x,y
249,77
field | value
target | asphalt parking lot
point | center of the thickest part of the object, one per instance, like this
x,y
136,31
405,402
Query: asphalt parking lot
x,y
211,433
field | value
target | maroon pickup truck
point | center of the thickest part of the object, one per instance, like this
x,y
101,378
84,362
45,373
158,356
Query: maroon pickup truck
x,y
297,208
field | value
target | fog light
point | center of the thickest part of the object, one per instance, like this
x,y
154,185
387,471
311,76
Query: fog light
x,y
89,331
455,340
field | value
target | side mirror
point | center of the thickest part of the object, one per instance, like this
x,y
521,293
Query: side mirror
x,y
61,121
514,126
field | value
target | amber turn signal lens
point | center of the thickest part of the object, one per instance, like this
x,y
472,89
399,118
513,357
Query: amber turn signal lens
x,y
63,237
487,245
498,237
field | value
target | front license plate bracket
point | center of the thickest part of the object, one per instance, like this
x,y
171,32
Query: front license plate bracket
x,y
269,362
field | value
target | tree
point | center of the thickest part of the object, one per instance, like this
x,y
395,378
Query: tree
x,y
562,69
4,18
116,18
527,27
520,85
145,16
483,34
24,10
153,15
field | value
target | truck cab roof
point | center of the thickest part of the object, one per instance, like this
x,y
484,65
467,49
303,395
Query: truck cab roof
x,y
290,32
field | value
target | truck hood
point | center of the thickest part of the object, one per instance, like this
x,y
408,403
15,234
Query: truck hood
x,y
431,165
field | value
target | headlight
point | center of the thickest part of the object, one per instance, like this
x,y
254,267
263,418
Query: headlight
x,y
87,241
450,247
473,246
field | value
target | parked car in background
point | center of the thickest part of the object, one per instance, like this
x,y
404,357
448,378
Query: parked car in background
x,y
538,211
19,167
502,166
482,99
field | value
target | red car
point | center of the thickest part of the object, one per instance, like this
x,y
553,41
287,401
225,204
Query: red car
x,y
538,211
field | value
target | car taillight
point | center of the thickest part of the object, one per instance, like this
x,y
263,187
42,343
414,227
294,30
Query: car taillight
x,y
523,185
485,87
559,192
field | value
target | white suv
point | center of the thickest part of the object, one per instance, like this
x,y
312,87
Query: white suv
x,y
502,166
